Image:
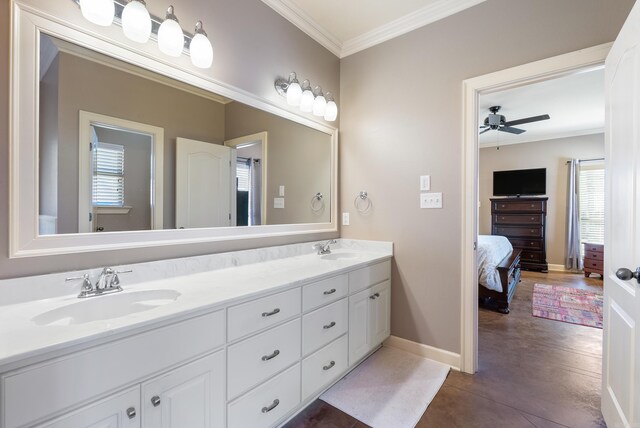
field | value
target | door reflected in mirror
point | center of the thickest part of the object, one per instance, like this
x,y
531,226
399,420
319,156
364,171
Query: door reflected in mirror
x,y
122,149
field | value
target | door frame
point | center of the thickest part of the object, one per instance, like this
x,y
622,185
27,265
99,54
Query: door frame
x,y
526,74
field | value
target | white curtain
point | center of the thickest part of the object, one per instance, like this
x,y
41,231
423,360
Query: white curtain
x,y
573,261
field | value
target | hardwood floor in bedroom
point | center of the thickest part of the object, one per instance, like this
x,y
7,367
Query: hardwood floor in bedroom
x,y
533,372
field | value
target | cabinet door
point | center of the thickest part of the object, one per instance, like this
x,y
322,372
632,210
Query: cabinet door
x,y
117,411
380,314
189,396
359,343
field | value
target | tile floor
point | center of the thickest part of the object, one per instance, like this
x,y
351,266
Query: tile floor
x,y
533,373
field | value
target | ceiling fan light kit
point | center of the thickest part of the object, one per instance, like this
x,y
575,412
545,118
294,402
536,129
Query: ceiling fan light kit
x,y
498,122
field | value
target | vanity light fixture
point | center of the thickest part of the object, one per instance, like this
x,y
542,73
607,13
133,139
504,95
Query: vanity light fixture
x,y
309,101
319,103
170,35
200,48
306,100
136,21
331,112
100,12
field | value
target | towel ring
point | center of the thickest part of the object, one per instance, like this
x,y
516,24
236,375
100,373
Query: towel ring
x,y
362,207
317,202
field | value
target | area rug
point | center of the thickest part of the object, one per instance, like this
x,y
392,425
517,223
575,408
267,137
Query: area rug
x,y
391,388
572,305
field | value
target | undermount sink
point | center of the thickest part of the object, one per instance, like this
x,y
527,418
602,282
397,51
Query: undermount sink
x,y
106,307
340,256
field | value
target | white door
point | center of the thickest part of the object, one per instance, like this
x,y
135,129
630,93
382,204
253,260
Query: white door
x,y
203,184
358,326
189,396
117,411
621,345
380,314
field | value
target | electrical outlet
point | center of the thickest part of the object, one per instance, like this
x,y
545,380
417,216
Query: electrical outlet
x,y
278,202
345,219
425,182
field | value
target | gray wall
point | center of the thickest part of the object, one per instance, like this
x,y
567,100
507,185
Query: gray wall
x,y
48,152
252,46
401,117
549,154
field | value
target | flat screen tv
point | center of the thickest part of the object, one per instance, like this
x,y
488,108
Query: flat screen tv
x,y
520,182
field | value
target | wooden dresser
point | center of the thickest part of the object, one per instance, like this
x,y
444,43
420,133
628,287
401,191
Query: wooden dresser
x,y
593,259
522,221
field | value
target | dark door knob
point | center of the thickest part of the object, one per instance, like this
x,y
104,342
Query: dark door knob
x,y
627,274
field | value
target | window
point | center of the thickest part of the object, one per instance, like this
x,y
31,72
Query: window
x,y
591,202
243,174
108,175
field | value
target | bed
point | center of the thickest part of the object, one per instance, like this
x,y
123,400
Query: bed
x,y
498,270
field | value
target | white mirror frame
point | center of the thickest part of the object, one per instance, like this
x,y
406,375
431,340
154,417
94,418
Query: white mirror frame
x,y
62,19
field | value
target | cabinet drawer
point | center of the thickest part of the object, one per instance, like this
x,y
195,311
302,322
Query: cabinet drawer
x,y
323,325
531,256
68,381
594,247
518,206
594,265
268,403
323,367
261,313
533,231
520,219
326,291
592,255
366,277
532,244
255,359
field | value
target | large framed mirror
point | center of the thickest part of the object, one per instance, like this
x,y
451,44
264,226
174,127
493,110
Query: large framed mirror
x,y
112,148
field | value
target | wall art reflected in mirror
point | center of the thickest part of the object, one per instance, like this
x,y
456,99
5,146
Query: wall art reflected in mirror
x,y
124,149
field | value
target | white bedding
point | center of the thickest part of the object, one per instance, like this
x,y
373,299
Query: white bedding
x,y
492,249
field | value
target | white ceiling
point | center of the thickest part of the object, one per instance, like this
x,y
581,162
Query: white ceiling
x,y
349,26
574,102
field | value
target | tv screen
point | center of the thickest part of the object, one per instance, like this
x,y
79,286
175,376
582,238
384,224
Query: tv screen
x,y
520,182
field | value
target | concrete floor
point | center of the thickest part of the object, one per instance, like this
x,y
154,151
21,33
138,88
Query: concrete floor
x,y
533,373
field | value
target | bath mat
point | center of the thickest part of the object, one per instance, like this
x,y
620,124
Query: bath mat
x,y
391,388
571,305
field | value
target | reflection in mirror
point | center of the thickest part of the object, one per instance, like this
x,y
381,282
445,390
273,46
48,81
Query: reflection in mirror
x,y
122,148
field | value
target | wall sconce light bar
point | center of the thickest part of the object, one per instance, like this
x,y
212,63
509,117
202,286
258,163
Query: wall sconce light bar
x,y
307,99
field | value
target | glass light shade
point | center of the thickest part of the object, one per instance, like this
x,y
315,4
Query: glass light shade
x,y
136,22
201,51
331,112
306,101
319,105
170,38
294,94
100,12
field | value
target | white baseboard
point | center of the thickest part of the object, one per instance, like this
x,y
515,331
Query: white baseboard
x,y
557,268
445,357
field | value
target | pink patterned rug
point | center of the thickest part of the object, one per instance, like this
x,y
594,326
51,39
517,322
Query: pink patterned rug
x,y
567,304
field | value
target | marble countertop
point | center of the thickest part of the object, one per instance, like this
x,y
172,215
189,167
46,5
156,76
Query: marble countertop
x,y
258,272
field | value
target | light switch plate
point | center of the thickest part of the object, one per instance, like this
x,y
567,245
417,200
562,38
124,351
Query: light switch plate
x,y
425,182
345,219
281,191
431,200
278,202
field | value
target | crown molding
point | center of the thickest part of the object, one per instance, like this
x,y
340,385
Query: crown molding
x,y
552,136
304,22
421,17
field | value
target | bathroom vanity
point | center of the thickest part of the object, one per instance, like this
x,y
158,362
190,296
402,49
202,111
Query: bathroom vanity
x,y
248,340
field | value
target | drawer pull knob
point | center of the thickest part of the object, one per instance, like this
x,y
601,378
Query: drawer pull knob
x,y
328,326
533,218
131,412
532,205
155,400
326,293
273,405
269,357
532,244
532,230
273,312
329,366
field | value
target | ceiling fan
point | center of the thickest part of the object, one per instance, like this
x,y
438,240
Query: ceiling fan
x,y
495,121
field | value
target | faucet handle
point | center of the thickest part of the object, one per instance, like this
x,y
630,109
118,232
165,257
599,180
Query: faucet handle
x,y
115,280
86,288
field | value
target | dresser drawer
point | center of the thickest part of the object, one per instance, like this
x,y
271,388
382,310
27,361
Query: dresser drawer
x,y
519,219
255,359
268,403
594,265
326,291
532,256
323,367
261,313
324,325
599,248
367,276
532,244
592,255
518,206
524,231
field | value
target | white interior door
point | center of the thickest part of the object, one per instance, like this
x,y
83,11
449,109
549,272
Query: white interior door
x,y
621,346
203,184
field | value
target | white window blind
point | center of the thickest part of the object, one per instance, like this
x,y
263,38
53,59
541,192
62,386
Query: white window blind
x,y
243,174
591,202
108,175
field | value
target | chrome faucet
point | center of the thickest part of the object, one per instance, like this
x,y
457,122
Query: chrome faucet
x,y
108,282
324,247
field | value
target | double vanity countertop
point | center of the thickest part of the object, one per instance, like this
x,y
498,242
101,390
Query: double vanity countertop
x,y
174,289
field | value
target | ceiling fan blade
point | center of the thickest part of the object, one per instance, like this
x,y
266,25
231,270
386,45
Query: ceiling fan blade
x,y
527,120
486,130
511,130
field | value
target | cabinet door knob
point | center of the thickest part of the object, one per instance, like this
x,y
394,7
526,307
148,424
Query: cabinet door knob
x,y
273,405
326,293
328,326
273,312
269,357
131,412
329,366
155,400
